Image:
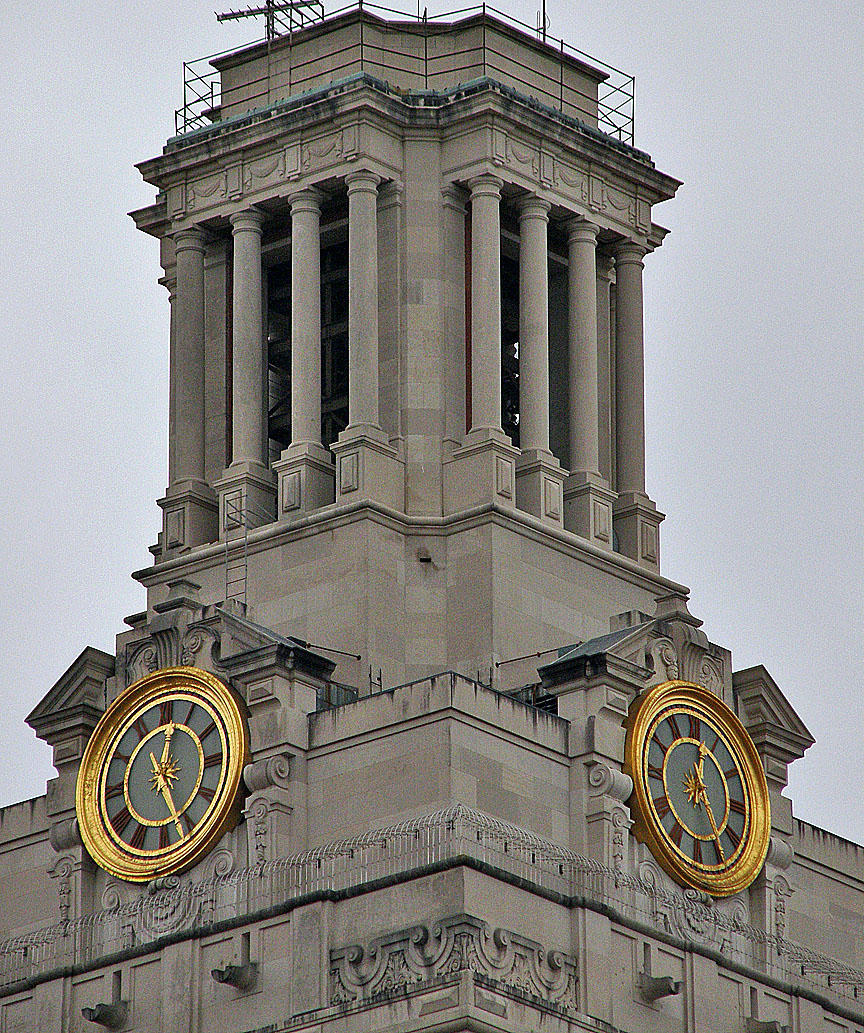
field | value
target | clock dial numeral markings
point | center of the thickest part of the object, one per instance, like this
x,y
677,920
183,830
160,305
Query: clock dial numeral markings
x,y
208,730
164,839
676,833
734,837
166,710
673,724
731,773
120,820
212,759
695,727
655,772
737,806
717,850
697,851
113,790
189,714
661,803
140,727
207,793
137,840
716,744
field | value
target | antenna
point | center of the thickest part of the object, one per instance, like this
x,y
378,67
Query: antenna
x,y
280,16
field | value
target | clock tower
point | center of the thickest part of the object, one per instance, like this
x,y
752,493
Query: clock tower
x,y
413,732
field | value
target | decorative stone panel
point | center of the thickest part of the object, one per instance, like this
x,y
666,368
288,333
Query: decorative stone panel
x,y
399,962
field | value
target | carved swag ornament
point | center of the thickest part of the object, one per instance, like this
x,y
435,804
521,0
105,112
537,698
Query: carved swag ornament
x,y
395,964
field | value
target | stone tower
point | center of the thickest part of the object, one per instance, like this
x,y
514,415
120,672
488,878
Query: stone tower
x,y
409,567
407,345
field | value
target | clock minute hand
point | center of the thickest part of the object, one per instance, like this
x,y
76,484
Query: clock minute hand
x,y
704,797
165,790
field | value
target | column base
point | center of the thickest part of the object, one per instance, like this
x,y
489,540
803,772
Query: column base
x,y
636,521
306,476
368,467
247,496
481,470
588,505
189,516
540,486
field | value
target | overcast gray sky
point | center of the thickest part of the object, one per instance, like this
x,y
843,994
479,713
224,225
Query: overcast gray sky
x,y
754,315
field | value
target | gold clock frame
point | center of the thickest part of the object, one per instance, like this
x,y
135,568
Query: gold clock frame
x,y
223,812
693,698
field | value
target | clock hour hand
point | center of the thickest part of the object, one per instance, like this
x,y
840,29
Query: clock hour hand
x,y
165,790
703,795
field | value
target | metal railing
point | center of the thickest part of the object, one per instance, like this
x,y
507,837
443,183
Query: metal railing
x,y
456,835
612,109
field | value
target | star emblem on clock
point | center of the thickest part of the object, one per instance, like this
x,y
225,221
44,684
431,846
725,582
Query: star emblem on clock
x,y
700,799
159,782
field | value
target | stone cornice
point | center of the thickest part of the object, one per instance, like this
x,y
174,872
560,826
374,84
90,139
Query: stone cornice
x,y
304,140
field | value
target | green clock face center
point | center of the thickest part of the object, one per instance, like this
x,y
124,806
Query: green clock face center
x,y
169,757
693,788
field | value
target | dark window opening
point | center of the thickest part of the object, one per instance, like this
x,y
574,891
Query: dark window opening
x,y
510,347
334,348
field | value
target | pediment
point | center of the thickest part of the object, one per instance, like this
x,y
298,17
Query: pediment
x,y
76,699
768,716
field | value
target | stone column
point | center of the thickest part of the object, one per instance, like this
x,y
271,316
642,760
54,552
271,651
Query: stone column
x,y
486,304
539,477
363,300
483,469
636,518
630,370
248,489
367,467
587,499
305,470
188,377
189,505
605,407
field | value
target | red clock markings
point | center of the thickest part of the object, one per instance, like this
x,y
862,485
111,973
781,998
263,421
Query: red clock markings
x,y
210,728
675,834
208,794
137,840
661,804
117,755
734,837
120,820
189,714
673,724
163,837
113,790
716,744
737,806
695,727
166,710
140,727
655,772
212,759
697,851
731,773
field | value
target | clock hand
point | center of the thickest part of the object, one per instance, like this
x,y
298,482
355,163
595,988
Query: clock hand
x,y
704,797
169,731
165,790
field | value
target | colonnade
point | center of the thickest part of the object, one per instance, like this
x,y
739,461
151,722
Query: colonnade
x,y
306,467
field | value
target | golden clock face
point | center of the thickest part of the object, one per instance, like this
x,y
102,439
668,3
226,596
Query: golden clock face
x,y
159,782
700,800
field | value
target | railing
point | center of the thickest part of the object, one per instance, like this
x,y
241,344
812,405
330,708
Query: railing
x,y
456,835
203,96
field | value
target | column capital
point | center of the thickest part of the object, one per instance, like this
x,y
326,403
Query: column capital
x,y
307,200
170,285
362,179
627,252
390,194
249,221
191,239
580,229
453,196
533,207
486,185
